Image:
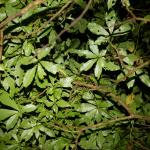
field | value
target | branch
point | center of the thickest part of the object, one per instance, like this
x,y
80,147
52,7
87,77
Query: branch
x,y
76,141
51,19
140,145
135,17
110,122
1,44
80,130
22,11
76,20
119,57
133,71
103,89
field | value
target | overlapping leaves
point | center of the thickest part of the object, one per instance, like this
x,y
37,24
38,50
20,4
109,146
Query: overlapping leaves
x,y
56,91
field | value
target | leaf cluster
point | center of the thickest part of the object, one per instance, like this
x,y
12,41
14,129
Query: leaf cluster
x,y
74,87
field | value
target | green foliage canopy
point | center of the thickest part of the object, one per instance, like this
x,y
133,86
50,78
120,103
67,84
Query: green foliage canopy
x,y
74,74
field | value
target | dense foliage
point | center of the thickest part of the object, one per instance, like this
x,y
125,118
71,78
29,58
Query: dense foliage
x,y
74,74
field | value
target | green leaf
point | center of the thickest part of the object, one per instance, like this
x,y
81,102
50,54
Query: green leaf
x,y
102,53
111,20
104,104
88,95
49,132
55,108
120,76
27,134
145,79
12,50
123,29
10,10
94,47
19,74
100,40
6,100
86,66
89,142
125,3
146,109
99,66
127,45
9,83
2,68
130,59
29,76
31,12
66,82
5,83
28,60
29,108
3,14
44,34
28,48
100,140
48,104
41,53
85,107
80,2
130,84
111,3
5,113
27,29
97,29
26,124
41,83
36,132
50,67
111,66
86,53
52,38
41,72
62,104
11,122
82,25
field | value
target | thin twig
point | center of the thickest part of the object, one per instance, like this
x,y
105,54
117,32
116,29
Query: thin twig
x,y
38,95
76,20
1,44
135,17
51,19
119,57
133,71
103,124
140,145
21,12
77,140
